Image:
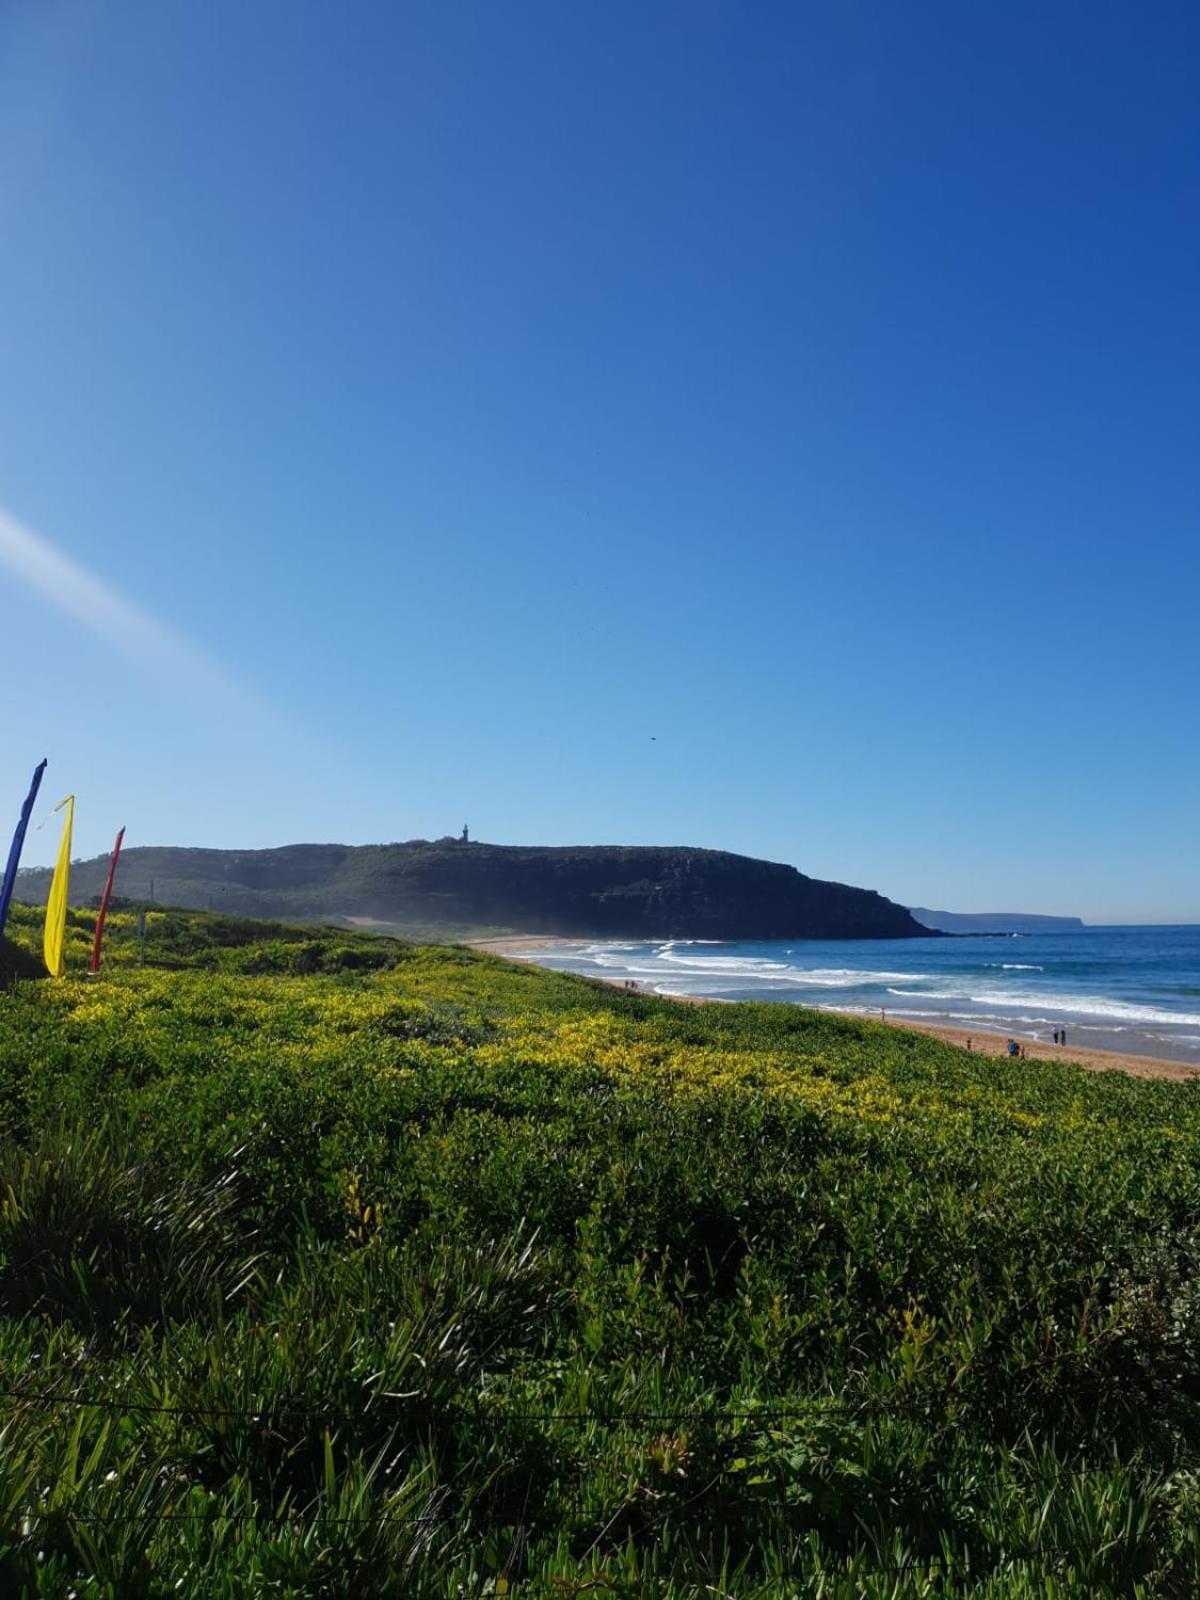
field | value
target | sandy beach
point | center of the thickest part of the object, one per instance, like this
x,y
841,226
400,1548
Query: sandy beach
x,y
996,1044
982,1043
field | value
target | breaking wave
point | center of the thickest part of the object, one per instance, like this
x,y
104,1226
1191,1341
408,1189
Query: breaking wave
x,y
1084,1005
1109,984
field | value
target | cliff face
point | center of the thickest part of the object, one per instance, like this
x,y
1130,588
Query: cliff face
x,y
589,891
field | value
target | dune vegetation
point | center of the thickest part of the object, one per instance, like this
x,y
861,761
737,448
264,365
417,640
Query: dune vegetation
x,y
333,1266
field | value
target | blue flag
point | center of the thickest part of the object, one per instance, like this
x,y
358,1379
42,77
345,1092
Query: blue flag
x,y
14,854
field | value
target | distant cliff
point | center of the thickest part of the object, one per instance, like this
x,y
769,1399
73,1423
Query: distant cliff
x,y
993,921
591,891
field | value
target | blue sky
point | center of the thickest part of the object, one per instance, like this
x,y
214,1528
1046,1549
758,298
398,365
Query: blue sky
x,y
763,427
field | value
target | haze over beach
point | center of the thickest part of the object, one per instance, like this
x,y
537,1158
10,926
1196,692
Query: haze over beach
x,y
600,937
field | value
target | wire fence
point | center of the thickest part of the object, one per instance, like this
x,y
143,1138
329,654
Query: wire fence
x,y
1043,1558
793,1410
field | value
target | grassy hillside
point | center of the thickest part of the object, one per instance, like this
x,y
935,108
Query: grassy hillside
x,y
338,1267
484,888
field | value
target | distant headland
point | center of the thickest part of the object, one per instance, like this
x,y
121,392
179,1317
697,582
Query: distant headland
x,y
455,887
993,921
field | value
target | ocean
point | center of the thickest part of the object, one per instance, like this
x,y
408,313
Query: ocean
x,y
1136,990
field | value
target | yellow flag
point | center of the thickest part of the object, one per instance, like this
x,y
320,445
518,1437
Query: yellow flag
x,y
56,905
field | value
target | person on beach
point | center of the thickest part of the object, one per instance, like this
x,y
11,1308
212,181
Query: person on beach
x,y
1062,1036
970,1046
1013,1047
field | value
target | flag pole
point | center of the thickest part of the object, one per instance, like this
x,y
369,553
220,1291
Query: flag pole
x,y
18,840
107,896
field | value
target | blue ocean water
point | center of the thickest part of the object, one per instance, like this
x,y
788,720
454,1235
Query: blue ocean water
x,y
1130,989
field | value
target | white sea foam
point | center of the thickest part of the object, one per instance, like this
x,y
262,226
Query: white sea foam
x,y
613,959
1102,1006
971,997
721,963
760,968
1084,1005
1015,1021
931,994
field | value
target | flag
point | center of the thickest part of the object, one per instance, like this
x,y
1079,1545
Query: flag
x,y
18,839
103,912
56,905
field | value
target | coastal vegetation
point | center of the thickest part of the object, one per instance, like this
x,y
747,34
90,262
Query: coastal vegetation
x,y
337,1266
458,889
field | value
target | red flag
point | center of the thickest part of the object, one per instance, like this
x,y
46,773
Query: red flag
x,y
103,912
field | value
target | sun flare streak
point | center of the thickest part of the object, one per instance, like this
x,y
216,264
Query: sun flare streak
x,y
101,609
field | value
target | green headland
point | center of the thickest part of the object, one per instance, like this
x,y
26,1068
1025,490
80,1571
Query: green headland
x,y
459,889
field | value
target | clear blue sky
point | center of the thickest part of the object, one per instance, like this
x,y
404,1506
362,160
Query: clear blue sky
x,y
769,427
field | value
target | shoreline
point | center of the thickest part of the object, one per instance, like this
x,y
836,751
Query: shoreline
x,y
982,1042
509,942
996,1044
